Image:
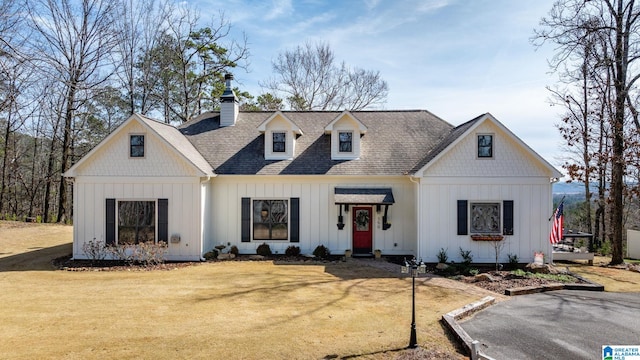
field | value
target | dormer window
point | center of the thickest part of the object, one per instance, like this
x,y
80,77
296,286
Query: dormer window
x,y
346,141
279,142
280,134
136,146
346,136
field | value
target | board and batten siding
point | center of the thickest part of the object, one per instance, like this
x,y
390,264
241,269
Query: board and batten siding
x,y
514,173
531,202
183,194
318,212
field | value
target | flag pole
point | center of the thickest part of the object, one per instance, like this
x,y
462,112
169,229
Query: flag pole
x,y
554,211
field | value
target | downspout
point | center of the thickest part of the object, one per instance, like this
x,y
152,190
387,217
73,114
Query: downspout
x,y
72,181
549,245
202,183
418,213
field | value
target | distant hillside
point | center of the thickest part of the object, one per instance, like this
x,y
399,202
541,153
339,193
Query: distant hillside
x,y
573,188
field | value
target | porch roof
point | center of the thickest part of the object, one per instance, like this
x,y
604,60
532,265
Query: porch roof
x,y
365,196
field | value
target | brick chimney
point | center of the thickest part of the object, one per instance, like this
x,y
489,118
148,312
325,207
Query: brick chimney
x,y
228,104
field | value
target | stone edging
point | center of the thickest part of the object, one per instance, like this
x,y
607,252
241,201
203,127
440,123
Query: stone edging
x,y
450,319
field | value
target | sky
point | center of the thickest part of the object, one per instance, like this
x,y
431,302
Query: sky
x,y
455,58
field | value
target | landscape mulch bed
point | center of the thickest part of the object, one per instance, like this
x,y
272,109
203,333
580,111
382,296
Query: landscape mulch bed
x,y
503,280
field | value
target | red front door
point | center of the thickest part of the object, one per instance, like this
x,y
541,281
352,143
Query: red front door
x,y
362,232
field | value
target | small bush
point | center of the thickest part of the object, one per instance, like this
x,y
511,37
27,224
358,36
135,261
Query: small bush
x,y
234,250
292,250
442,256
211,255
150,253
513,261
264,249
321,252
466,256
95,250
122,252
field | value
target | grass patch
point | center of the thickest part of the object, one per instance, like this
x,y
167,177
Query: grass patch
x,y
214,310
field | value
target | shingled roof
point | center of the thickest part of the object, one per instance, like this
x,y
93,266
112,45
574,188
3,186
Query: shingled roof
x,y
395,142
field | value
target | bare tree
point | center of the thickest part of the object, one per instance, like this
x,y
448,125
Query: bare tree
x,y
309,79
72,47
615,21
139,26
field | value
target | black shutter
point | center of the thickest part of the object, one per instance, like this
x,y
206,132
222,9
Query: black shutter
x,y
246,220
295,219
462,217
163,220
110,212
507,207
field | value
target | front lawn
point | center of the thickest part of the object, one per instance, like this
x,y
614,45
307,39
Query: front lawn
x,y
222,310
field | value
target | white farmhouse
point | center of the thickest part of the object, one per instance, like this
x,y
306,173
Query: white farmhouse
x,y
403,182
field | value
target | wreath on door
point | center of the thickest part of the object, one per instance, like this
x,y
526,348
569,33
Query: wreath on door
x,y
362,219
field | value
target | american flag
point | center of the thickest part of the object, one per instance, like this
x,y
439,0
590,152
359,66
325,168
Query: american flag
x,y
556,228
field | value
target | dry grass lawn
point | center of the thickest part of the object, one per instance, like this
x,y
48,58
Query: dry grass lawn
x,y
613,279
223,310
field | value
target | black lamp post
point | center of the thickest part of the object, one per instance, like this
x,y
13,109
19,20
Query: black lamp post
x,y
414,268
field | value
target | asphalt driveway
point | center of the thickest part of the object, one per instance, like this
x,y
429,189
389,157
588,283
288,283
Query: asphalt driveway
x,y
565,324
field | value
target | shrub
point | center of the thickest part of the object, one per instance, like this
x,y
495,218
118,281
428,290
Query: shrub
x,y
292,250
321,252
150,253
263,249
211,255
121,252
442,256
95,250
466,256
467,259
513,261
234,250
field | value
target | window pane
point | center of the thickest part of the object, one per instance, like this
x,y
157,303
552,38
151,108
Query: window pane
x,y
136,148
136,221
279,142
485,145
270,219
345,141
485,218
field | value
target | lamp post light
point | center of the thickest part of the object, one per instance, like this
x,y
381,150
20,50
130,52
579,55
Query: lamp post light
x,y
414,268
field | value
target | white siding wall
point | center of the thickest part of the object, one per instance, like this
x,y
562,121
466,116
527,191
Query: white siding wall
x,y
532,207
184,194
512,174
318,212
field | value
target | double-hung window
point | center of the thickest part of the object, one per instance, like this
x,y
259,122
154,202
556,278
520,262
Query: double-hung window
x,y
279,142
345,139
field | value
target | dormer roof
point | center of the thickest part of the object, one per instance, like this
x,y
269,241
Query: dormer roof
x,y
279,115
346,116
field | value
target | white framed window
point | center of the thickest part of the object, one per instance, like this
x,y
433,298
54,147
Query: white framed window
x,y
485,218
485,146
